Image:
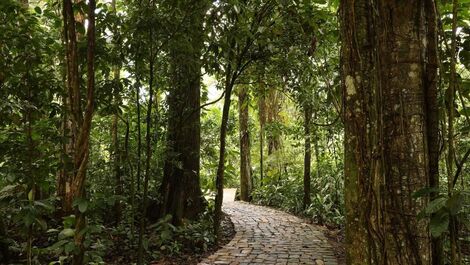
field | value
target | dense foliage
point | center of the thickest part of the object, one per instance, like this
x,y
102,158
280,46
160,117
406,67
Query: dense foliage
x,y
286,56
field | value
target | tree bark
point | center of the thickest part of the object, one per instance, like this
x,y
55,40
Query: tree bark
x,y
139,135
432,117
273,107
117,157
262,122
388,132
450,132
180,188
80,121
219,182
244,131
307,155
148,153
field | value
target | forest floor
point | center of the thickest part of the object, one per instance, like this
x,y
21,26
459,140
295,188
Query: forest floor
x,y
268,236
254,234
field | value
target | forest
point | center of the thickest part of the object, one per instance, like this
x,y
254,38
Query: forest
x,y
235,132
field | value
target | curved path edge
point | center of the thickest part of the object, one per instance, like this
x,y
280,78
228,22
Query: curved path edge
x,y
268,236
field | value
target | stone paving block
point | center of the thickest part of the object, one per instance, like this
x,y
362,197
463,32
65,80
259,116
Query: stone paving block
x,y
268,236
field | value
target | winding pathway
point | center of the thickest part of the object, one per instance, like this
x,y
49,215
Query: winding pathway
x,y
267,236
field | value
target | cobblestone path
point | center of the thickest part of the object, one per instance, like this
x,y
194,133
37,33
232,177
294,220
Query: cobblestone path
x,y
267,236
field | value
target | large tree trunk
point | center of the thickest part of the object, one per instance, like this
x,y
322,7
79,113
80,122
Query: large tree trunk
x,y
386,62
180,188
273,107
245,164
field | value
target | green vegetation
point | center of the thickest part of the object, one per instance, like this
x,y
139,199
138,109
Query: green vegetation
x,y
122,121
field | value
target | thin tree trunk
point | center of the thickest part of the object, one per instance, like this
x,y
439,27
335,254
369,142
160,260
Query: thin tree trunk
x,y
450,132
316,147
262,122
307,155
31,173
219,183
117,155
139,135
245,163
273,106
116,158
74,116
387,131
83,125
432,117
143,217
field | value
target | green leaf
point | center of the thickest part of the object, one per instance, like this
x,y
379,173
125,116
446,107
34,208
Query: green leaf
x,y
8,189
30,195
424,191
455,203
47,206
82,206
38,10
439,224
145,243
165,235
42,223
29,218
66,233
435,205
69,247
58,244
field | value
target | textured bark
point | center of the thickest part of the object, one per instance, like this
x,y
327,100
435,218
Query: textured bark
x,y
307,155
388,86
273,107
432,116
148,154
219,182
262,122
117,156
74,115
80,122
73,118
244,131
139,134
450,102
117,161
180,188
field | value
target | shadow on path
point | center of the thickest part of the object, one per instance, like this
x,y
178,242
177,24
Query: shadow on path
x,y
268,236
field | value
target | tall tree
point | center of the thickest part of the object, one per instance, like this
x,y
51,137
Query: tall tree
x,y
262,123
180,188
116,153
390,113
240,50
80,120
450,100
273,107
307,154
244,131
